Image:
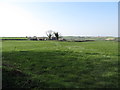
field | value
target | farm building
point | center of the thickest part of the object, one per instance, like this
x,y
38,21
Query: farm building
x,y
41,38
44,38
37,38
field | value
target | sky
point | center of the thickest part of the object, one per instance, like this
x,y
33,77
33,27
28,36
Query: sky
x,y
20,19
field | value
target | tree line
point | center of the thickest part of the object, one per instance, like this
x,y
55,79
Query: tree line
x,y
51,34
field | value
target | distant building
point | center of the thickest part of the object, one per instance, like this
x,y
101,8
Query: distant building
x,y
37,38
53,38
62,39
32,38
41,38
44,38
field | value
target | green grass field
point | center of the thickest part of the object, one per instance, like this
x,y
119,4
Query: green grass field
x,y
13,38
55,64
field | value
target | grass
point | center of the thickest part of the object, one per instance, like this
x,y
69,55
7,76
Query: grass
x,y
13,38
87,38
54,64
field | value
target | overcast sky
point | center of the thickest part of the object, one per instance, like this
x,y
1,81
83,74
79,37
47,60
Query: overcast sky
x,y
68,18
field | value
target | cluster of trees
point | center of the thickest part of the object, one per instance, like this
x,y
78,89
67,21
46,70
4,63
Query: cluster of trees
x,y
52,34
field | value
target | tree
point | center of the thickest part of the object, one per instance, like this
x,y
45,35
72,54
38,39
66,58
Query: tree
x,y
49,33
57,35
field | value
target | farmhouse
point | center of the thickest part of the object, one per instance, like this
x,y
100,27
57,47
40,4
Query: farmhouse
x,y
62,39
41,38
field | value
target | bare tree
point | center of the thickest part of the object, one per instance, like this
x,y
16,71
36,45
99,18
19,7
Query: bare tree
x,y
49,33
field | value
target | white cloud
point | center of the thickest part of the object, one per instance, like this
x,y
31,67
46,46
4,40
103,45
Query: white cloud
x,y
14,21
